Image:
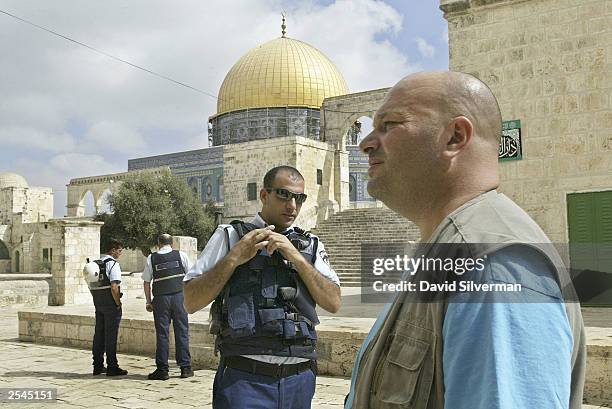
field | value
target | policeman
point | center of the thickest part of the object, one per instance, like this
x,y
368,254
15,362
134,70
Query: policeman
x,y
265,278
107,300
166,269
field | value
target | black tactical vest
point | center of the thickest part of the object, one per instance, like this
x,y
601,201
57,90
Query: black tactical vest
x,y
265,308
168,273
101,289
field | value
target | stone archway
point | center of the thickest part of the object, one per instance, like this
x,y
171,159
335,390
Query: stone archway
x,y
337,116
87,204
359,130
98,185
102,205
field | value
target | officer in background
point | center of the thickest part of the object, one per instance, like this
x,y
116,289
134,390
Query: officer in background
x,y
166,269
266,278
107,300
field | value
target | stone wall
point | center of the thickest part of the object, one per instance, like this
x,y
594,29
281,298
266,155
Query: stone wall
x,y
26,204
6,206
549,62
188,245
81,240
24,293
132,261
248,163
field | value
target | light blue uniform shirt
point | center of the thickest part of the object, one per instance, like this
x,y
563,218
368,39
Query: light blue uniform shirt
x,y
113,269
505,355
147,273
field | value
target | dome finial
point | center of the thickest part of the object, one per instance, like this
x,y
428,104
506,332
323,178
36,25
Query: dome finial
x,y
283,26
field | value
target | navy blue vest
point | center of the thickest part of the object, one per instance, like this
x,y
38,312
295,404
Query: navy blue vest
x,y
168,273
265,308
101,289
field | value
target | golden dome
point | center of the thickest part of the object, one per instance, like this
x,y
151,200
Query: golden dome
x,y
280,73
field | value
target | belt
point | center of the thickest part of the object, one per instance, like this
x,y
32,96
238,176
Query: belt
x,y
267,369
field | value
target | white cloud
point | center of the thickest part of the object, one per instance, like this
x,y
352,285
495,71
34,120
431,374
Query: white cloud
x,y
72,164
427,50
354,34
110,136
445,35
69,112
35,139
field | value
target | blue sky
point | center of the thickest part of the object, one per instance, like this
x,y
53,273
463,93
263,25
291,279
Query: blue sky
x,y
68,112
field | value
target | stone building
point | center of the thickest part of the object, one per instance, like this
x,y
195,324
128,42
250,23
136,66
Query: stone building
x,y
549,62
270,111
49,252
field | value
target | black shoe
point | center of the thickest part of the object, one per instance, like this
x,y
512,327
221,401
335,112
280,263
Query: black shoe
x,y
159,375
99,370
186,372
116,372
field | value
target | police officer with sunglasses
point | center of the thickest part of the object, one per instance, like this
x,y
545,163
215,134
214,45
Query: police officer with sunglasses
x,y
265,279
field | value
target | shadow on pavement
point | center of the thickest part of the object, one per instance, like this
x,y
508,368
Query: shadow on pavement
x,y
69,375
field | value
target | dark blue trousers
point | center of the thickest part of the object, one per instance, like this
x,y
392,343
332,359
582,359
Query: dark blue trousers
x,y
235,389
168,308
105,336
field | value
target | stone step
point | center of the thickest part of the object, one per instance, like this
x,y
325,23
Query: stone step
x,y
365,237
360,224
345,233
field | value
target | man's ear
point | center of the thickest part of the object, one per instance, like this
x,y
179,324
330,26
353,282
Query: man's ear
x,y
263,195
460,135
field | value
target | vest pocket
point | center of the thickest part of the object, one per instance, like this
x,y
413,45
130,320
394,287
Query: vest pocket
x,y
241,315
401,371
272,320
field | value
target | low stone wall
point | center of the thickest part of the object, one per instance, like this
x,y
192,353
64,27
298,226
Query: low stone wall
x,y
24,292
336,348
33,290
338,344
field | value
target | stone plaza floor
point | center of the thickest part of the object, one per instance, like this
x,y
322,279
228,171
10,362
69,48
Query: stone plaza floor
x,y
27,365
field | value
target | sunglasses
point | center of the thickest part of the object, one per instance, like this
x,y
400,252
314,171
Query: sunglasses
x,y
286,195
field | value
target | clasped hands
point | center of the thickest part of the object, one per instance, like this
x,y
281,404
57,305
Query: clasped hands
x,y
265,238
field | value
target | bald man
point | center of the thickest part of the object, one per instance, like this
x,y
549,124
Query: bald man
x,y
433,156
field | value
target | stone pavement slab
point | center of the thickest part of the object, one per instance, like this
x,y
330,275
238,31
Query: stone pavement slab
x,y
27,365
30,365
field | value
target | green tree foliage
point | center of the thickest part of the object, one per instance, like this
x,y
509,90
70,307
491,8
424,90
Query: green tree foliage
x,y
146,205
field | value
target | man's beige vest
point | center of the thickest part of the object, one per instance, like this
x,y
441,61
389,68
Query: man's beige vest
x,y
402,365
